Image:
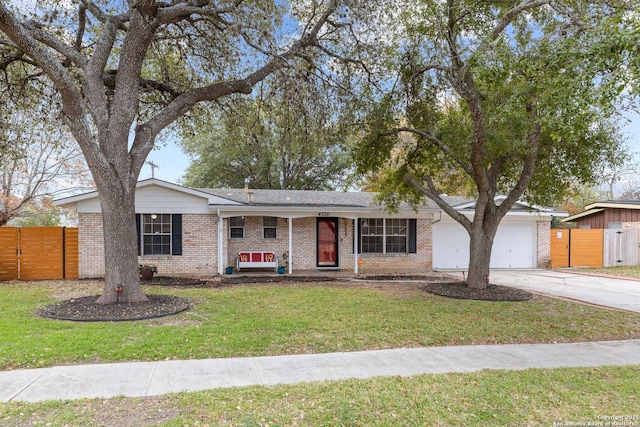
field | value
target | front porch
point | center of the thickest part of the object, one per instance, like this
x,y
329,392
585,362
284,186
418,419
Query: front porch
x,y
327,242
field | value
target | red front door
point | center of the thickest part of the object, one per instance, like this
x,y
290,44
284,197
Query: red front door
x,y
327,242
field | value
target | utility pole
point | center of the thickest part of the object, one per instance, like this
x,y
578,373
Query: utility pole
x,y
153,168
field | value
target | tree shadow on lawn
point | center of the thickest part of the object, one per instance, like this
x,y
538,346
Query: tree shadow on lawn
x,y
85,309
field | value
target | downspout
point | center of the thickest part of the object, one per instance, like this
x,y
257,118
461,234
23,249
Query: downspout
x,y
439,219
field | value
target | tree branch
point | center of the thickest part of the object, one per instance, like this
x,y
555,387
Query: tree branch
x,y
533,139
14,56
513,13
45,38
464,84
104,17
93,82
82,23
441,145
432,193
177,12
188,99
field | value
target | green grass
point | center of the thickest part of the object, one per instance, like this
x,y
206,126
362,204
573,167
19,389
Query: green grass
x,y
534,397
270,320
624,271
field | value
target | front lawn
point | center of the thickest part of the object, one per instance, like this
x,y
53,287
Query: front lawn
x,y
271,319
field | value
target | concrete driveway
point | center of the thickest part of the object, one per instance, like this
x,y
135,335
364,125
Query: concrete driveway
x,y
606,291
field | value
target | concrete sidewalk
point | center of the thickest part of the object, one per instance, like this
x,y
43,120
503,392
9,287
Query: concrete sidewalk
x,y
156,378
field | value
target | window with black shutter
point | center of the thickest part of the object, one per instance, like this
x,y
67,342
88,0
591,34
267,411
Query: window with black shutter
x,y
159,234
387,235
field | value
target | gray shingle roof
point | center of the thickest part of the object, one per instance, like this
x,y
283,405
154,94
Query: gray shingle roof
x,y
310,198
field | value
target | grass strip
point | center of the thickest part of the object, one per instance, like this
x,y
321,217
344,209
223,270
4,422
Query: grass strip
x,y
534,397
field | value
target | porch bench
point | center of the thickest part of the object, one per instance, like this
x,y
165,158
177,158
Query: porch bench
x,y
256,259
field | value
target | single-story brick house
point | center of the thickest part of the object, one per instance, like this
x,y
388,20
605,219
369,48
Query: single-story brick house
x,y
187,231
608,214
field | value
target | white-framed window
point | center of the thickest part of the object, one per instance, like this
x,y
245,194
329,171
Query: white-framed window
x,y
384,235
156,234
236,227
269,227
372,240
396,232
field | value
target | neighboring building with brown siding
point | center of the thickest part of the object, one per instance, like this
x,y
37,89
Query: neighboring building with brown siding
x,y
607,214
186,231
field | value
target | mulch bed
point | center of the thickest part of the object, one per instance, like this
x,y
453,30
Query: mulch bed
x,y
242,280
460,290
172,281
85,309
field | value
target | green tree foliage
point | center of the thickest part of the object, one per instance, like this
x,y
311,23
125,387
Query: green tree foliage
x,y
500,98
39,215
285,137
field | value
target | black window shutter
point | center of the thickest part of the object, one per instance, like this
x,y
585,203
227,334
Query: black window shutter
x,y
413,231
359,237
138,233
353,234
176,234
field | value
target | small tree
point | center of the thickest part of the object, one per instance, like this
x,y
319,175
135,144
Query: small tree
x,y
621,173
39,214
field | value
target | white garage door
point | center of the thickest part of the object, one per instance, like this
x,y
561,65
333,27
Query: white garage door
x,y
513,247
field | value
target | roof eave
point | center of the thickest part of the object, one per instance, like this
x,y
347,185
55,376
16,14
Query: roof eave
x,y
581,215
613,205
70,201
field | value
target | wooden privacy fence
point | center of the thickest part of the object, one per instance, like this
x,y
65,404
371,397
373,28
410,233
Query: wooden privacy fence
x,y
577,248
621,247
35,253
595,248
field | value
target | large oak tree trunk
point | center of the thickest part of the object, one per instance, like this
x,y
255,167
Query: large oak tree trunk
x,y
479,260
482,233
120,246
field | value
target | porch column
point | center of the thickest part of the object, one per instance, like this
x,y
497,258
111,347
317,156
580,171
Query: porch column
x,y
220,244
355,245
290,222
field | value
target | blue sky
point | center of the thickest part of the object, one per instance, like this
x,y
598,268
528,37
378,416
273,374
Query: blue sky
x,y
632,131
172,163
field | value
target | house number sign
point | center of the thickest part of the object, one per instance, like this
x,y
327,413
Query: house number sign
x,y
323,213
